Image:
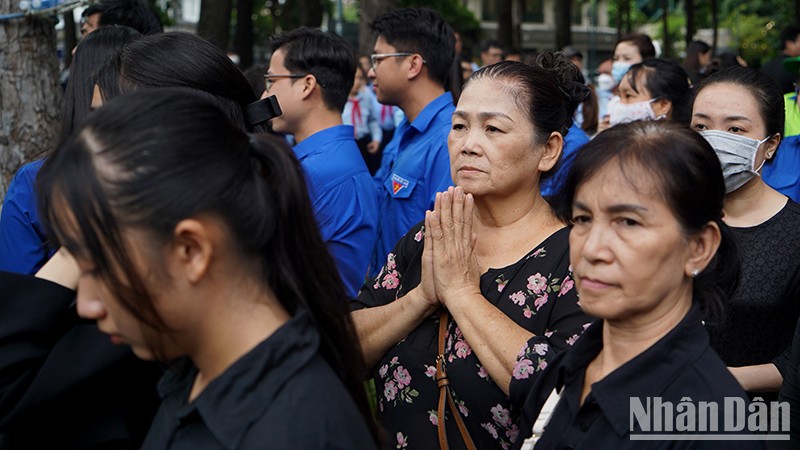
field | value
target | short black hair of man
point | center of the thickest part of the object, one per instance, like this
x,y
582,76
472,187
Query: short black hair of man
x,y
323,54
423,31
136,14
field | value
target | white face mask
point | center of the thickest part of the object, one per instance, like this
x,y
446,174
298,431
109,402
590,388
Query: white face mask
x,y
619,112
737,154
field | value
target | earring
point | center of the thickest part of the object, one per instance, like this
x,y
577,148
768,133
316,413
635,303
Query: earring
x,y
695,273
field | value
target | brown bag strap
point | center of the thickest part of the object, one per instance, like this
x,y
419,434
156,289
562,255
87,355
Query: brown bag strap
x,y
445,397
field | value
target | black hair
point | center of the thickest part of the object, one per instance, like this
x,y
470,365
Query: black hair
x,y
490,44
136,14
92,9
423,31
693,51
789,34
687,175
549,92
326,55
664,78
762,87
182,59
640,41
94,51
154,158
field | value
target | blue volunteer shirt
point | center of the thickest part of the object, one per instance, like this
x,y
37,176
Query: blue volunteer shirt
x,y
415,166
343,198
23,247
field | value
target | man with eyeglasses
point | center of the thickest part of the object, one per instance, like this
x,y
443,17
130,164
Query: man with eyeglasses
x,y
413,53
311,73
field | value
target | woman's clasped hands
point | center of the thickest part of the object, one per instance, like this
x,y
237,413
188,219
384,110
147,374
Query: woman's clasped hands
x,y
450,270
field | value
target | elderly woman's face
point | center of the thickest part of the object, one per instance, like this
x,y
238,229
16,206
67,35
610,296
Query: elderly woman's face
x,y
627,249
491,142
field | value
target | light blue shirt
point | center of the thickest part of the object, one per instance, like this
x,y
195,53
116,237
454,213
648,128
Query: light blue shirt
x,y
415,166
23,247
342,195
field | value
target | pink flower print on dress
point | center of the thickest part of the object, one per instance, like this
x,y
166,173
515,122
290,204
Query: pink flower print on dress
x,y
512,432
391,280
518,298
462,408
501,284
501,416
548,333
572,339
542,364
527,313
433,417
566,286
394,361
420,234
402,441
537,283
490,428
482,372
540,301
390,390
402,377
523,369
463,349
430,372
390,264
540,349
382,371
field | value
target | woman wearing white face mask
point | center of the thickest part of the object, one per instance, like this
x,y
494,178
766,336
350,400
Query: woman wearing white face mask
x,y
652,90
629,50
739,112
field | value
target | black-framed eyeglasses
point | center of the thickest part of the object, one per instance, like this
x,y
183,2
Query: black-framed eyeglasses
x,y
376,58
268,78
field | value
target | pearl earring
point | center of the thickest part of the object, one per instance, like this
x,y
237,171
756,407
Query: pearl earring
x,y
695,273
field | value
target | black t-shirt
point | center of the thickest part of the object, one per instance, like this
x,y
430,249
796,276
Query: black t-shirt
x,y
759,320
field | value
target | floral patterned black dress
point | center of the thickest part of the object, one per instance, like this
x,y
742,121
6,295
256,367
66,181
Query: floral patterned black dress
x,y
537,292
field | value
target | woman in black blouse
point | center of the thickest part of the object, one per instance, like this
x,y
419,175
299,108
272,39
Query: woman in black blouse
x,y
646,245
508,293
740,112
194,240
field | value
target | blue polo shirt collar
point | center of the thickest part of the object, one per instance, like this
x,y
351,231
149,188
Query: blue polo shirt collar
x,y
322,140
426,116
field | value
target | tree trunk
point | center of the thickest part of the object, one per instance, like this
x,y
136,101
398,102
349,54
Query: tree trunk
x,y
29,93
623,18
505,23
666,52
797,12
689,7
563,23
714,26
70,39
244,33
370,10
311,13
215,22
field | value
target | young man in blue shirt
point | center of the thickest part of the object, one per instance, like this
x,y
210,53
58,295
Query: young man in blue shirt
x,y
412,56
311,73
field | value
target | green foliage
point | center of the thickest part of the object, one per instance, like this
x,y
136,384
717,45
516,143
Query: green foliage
x,y
676,27
756,36
453,11
162,14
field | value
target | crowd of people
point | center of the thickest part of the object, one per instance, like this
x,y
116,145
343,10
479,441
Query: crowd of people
x,y
417,252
